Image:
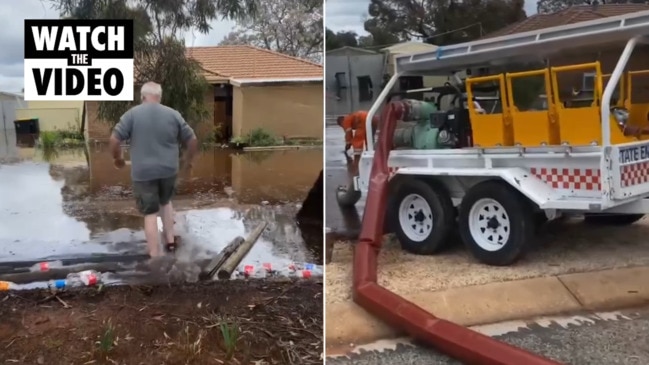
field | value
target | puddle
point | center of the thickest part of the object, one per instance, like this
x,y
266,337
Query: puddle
x,y
343,222
75,203
250,178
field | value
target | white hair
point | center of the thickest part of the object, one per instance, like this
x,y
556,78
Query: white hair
x,y
151,89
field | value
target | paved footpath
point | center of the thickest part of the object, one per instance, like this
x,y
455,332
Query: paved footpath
x,y
590,339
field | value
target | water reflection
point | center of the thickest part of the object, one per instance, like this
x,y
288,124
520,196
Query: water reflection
x,y
57,201
253,177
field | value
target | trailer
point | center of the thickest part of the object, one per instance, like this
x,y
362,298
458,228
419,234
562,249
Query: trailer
x,y
497,175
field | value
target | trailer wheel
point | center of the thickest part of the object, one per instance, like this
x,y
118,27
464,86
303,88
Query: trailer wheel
x,y
422,216
496,223
612,219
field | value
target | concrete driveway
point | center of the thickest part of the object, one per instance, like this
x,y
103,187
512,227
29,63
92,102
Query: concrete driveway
x,y
341,222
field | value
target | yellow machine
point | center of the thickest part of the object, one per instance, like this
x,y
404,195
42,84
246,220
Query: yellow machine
x,y
559,122
638,111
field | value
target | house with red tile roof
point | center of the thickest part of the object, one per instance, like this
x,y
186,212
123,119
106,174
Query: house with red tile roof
x,y
252,88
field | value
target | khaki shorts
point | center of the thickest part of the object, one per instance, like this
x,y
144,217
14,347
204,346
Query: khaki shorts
x,y
150,195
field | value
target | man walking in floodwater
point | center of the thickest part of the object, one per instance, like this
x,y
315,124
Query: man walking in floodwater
x,y
154,131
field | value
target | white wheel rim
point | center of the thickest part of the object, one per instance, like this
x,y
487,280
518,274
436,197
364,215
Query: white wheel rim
x,y
489,224
415,217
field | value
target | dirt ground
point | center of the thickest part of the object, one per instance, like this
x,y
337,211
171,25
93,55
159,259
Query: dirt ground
x,y
561,248
230,322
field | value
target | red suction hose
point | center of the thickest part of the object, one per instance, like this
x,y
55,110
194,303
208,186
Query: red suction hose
x,y
454,340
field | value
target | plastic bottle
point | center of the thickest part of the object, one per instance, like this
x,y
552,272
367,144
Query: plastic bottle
x,y
6,285
86,277
57,284
250,271
303,274
46,266
83,278
314,269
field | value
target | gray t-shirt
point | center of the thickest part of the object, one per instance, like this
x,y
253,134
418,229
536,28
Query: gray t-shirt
x,y
155,132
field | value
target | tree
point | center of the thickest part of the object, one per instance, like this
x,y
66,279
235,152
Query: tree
x,y
347,38
340,39
159,51
292,27
378,38
441,22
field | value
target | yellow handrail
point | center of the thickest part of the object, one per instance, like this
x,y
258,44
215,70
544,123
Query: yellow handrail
x,y
477,80
583,66
629,85
513,75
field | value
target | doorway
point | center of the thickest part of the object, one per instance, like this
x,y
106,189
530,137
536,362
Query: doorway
x,y
223,112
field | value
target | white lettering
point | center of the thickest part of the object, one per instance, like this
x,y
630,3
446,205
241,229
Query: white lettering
x,y
45,38
94,38
116,38
83,37
67,42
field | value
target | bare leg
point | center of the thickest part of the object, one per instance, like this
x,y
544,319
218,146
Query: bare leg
x,y
151,234
168,222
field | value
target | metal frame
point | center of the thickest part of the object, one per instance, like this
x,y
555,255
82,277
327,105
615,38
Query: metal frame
x,y
513,163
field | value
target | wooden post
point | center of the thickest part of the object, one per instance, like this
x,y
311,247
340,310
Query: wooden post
x,y
217,262
225,272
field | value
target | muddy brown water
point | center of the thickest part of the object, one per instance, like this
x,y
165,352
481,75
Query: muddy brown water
x,y
89,196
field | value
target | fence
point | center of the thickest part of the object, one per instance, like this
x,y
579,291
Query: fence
x,y
8,146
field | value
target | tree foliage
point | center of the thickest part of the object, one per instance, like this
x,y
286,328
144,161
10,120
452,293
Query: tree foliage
x,y
159,48
335,40
441,22
347,38
292,27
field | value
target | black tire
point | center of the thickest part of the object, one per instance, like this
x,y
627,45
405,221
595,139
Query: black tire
x,y
612,219
443,216
521,218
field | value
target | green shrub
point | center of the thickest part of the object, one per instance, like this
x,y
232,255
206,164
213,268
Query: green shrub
x,y
260,138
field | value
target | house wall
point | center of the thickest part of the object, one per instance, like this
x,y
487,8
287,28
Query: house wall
x,y
291,111
285,110
608,59
53,115
100,131
8,113
257,180
349,98
97,129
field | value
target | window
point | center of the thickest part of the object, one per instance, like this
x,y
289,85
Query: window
x,y
365,88
341,83
588,81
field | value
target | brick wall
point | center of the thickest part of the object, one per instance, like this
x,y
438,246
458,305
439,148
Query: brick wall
x,y
98,130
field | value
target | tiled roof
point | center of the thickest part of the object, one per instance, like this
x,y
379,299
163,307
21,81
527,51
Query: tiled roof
x,y
249,63
571,15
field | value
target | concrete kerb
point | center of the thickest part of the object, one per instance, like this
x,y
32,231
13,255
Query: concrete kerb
x,y
348,325
282,148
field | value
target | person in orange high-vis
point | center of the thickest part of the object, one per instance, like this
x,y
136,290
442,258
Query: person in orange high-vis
x,y
355,134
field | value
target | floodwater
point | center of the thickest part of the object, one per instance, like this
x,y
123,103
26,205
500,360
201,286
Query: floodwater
x,y
74,203
343,222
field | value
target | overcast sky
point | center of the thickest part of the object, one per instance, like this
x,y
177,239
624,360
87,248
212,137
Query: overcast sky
x,y
350,14
12,15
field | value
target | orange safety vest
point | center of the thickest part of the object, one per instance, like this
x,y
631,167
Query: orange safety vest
x,y
354,126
